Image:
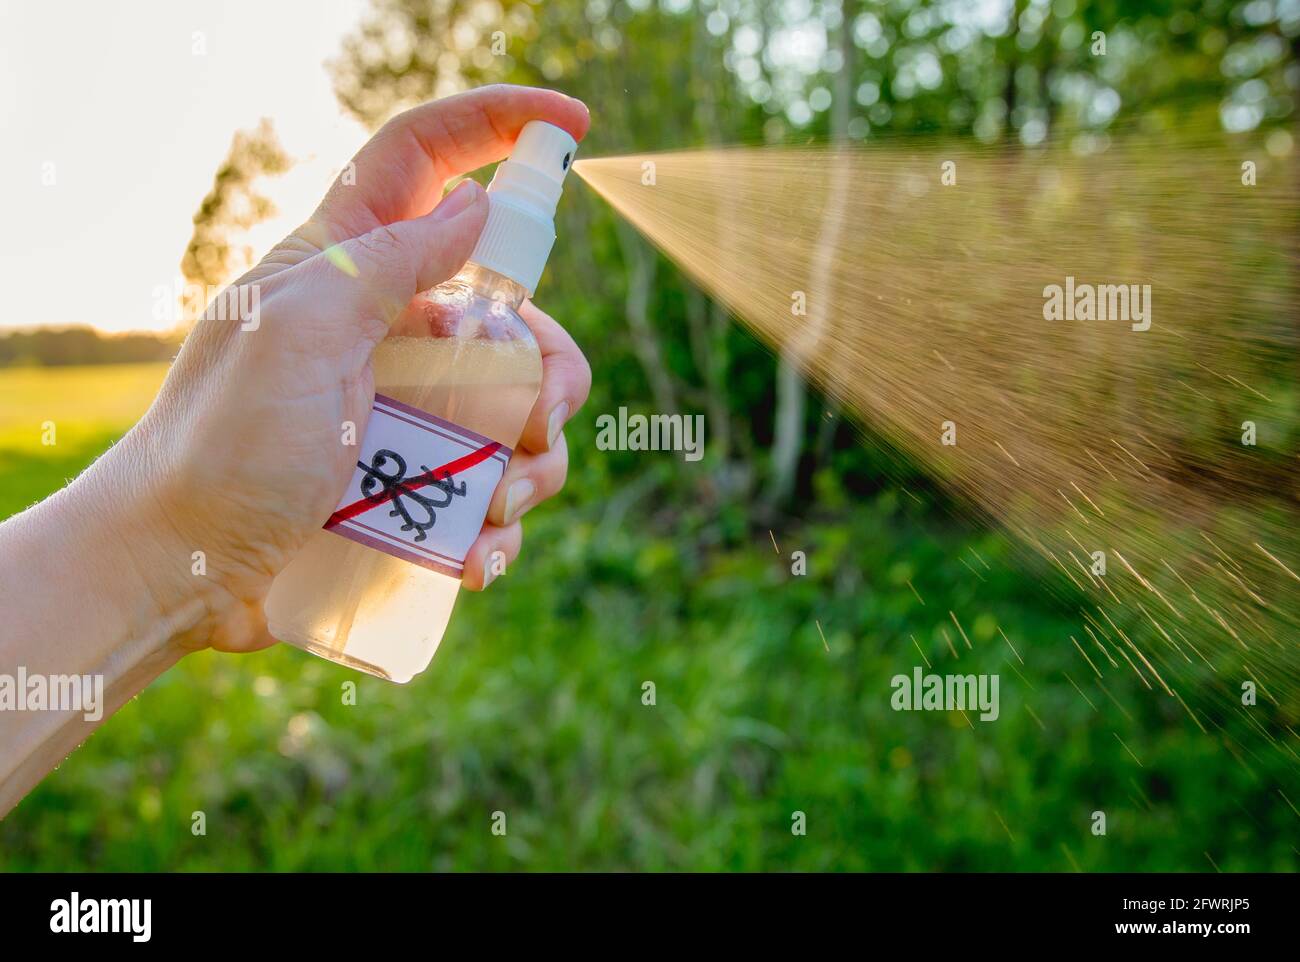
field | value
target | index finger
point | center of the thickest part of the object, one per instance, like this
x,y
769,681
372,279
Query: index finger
x,y
401,171
566,380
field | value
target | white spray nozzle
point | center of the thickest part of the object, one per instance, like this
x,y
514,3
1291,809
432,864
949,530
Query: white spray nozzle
x,y
520,228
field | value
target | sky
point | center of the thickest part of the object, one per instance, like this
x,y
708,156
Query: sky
x,y
129,109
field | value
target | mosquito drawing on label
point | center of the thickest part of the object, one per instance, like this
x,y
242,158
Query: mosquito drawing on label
x,y
397,488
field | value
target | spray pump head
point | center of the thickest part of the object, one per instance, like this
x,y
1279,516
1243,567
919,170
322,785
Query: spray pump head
x,y
520,228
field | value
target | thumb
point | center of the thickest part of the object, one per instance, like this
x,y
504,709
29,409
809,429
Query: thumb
x,y
394,262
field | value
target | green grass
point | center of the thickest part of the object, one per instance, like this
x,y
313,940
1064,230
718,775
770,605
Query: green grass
x,y
82,403
533,707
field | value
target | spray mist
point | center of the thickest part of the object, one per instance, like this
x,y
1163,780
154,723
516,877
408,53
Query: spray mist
x,y
455,382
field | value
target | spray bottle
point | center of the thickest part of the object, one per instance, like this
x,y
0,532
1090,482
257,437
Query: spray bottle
x,y
454,382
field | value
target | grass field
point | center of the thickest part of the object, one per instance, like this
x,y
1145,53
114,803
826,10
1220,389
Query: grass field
x,y
84,403
534,707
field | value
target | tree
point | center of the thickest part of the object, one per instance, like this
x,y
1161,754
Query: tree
x,y
233,205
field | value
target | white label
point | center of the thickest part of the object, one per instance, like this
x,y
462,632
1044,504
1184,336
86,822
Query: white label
x,y
421,487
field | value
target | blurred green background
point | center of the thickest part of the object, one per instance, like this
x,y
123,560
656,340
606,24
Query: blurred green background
x,y
771,689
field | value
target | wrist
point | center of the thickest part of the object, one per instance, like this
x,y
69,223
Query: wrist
x,y
109,532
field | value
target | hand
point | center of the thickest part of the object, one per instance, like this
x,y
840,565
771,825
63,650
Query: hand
x,y
240,455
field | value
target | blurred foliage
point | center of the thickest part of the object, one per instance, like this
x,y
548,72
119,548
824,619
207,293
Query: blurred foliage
x,y
651,569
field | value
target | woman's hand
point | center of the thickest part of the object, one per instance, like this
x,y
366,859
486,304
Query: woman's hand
x,y
170,540
241,457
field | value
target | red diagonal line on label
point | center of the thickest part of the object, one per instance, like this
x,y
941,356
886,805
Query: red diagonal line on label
x,y
463,463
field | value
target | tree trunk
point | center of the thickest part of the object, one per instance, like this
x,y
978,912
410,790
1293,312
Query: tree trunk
x,y
791,394
641,269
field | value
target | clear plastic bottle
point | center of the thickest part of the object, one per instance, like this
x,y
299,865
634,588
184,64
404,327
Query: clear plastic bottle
x,y
460,353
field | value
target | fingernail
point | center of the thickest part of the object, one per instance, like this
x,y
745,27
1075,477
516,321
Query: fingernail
x,y
489,570
516,497
555,423
458,200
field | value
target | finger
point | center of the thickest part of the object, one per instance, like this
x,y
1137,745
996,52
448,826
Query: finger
x,y
566,380
401,171
489,556
379,272
529,480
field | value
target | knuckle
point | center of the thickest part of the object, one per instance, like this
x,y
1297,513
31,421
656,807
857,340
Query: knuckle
x,y
379,255
381,242
513,541
556,470
395,124
584,376
574,373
